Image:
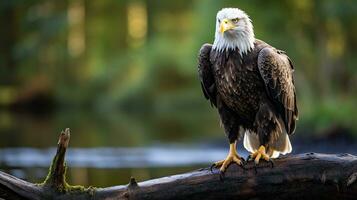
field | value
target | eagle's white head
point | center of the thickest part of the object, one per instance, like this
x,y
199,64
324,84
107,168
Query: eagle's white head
x,y
234,30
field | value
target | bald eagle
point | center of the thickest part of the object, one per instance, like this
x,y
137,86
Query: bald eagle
x,y
252,86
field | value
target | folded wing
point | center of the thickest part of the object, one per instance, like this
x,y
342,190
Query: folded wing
x,y
205,74
276,69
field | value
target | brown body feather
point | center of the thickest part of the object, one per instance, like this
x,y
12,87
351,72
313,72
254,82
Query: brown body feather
x,y
254,91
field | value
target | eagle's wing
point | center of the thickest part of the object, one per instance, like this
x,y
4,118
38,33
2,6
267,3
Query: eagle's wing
x,y
276,69
205,74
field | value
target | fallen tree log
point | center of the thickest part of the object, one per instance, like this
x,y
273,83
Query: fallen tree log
x,y
302,176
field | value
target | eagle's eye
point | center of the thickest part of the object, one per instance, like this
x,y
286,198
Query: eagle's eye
x,y
235,20
219,21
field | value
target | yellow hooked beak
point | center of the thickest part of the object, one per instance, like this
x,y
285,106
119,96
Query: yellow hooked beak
x,y
226,25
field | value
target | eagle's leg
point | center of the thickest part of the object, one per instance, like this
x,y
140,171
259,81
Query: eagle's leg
x,y
231,157
260,154
231,125
268,128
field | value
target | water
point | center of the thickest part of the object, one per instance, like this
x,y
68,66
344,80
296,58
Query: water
x,y
18,161
156,156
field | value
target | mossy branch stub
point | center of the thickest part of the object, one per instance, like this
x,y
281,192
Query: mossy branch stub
x,y
56,178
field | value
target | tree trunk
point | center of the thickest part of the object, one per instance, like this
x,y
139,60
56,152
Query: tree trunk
x,y
302,176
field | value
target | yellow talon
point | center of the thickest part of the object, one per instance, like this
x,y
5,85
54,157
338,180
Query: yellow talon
x,y
231,157
260,153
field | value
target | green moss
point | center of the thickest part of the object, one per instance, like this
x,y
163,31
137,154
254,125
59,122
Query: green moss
x,y
65,188
62,186
80,189
50,176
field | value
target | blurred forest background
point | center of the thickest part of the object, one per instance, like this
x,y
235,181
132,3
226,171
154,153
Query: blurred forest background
x,y
123,73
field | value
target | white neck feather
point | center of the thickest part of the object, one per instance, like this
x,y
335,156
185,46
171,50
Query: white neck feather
x,y
243,43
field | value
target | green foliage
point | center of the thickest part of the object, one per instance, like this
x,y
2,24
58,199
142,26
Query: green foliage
x,y
156,72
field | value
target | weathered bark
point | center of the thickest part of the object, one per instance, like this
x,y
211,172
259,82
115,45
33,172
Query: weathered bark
x,y
302,176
